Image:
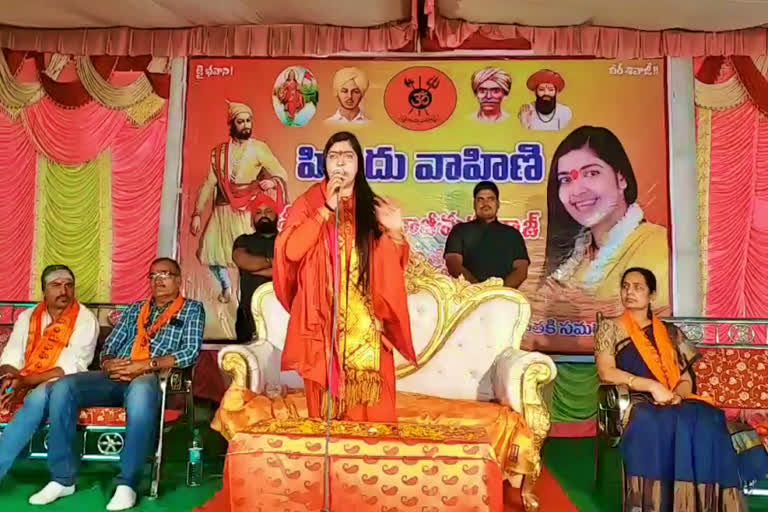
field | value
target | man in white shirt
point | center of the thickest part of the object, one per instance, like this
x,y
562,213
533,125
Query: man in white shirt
x,y
350,86
55,338
545,113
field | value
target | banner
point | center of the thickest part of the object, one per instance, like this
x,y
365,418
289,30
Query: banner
x,y
431,130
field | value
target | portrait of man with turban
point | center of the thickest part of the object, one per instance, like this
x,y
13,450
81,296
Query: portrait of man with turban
x,y
545,113
243,172
349,86
491,87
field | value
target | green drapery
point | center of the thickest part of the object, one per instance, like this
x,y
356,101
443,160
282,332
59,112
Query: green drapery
x,y
574,396
74,224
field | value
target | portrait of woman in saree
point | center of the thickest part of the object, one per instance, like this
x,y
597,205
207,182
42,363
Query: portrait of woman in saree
x,y
679,452
596,228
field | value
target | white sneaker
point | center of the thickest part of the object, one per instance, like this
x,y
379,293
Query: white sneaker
x,y
50,493
123,499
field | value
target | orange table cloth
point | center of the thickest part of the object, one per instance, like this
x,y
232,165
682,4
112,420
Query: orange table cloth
x,y
510,438
374,467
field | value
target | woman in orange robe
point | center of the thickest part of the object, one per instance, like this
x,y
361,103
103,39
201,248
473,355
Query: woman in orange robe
x,y
367,260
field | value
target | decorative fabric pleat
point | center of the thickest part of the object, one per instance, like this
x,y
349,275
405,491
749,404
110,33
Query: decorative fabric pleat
x,y
137,152
729,93
17,209
224,41
596,41
14,96
731,208
74,224
82,168
703,154
138,101
732,165
72,136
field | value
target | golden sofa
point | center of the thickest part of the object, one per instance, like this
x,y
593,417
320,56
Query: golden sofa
x,y
467,337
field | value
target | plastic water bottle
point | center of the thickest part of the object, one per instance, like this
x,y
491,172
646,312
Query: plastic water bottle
x,y
195,461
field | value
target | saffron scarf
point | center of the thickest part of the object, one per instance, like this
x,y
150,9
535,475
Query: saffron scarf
x,y
45,346
661,360
141,349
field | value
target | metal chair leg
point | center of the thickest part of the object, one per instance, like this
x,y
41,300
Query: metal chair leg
x,y
597,457
158,457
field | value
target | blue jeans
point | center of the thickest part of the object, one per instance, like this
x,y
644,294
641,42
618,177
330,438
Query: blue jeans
x,y
141,400
23,426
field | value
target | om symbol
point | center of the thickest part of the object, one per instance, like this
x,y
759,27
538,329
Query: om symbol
x,y
420,98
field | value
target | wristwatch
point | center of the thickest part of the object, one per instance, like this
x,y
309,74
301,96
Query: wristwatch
x,y
153,364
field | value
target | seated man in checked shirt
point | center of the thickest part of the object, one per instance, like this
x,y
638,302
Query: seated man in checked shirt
x,y
152,335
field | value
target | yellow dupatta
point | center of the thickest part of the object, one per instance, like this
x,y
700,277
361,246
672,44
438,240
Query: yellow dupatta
x,y
359,336
661,360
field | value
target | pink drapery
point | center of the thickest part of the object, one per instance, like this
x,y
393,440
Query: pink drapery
x,y
51,130
238,41
138,157
17,209
604,42
138,161
738,214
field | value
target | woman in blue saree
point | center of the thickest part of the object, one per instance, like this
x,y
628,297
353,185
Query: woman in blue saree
x,y
680,454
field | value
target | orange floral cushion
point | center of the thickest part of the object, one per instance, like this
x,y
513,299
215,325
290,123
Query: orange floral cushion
x,y
102,416
735,378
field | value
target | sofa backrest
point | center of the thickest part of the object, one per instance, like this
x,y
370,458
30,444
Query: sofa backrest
x,y
458,331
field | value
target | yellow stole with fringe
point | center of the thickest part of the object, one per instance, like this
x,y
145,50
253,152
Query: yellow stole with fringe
x,y
359,337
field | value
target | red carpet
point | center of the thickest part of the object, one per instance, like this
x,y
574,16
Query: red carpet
x,y
551,496
586,428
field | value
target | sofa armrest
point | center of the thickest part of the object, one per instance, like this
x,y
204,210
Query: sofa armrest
x,y
512,367
243,364
518,378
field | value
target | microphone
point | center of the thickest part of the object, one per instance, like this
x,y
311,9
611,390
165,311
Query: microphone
x,y
329,372
337,172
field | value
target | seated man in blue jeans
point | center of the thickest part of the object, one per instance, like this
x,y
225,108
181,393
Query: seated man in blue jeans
x,y
55,338
152,335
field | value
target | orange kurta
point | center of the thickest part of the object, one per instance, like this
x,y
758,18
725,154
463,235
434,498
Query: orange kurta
x,y
303,281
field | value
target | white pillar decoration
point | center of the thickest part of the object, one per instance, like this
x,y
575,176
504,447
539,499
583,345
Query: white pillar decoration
x,y
683,198
170,203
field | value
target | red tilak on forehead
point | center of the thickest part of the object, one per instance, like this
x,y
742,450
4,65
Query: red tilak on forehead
x,y
574,174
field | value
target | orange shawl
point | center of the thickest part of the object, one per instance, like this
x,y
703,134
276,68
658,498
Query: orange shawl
x,y
45,346
662,359
140,350
304,288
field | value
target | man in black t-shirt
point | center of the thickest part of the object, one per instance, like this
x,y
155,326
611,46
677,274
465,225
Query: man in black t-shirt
x,y
253,256
485,247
